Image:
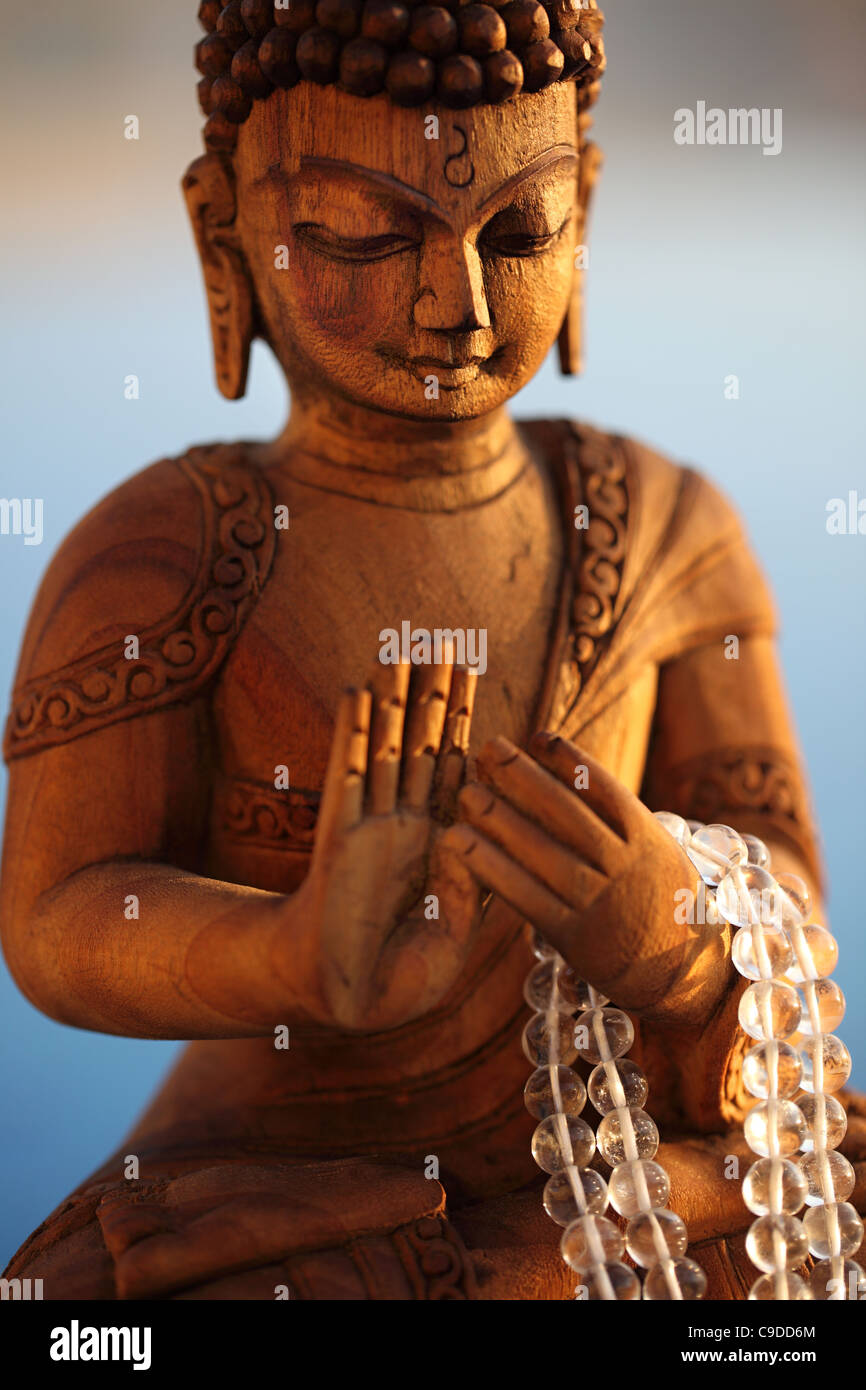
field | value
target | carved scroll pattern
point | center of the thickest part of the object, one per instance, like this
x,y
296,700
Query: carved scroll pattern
x,y
600,462
730,782
179,655
259,815
435,1260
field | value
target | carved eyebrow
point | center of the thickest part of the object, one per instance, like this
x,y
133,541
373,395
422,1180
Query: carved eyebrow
x,y
547,159
422,201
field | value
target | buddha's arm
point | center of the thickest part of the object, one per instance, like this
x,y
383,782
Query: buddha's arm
x,y
106,928
115,807
103,931
724,749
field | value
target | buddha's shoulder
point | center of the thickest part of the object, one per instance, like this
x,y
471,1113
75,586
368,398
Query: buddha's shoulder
x,y
180,532
624,478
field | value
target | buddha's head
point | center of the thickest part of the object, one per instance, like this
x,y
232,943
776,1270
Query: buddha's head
x,y
393,195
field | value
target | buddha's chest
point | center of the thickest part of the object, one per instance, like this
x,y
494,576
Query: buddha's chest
x,y
354,584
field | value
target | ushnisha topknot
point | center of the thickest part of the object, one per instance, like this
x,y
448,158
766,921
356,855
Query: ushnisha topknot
x,y
460,54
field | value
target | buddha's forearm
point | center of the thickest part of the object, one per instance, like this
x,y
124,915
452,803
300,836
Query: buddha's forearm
x,y
148,950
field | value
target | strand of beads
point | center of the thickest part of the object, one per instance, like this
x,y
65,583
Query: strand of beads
x,y
833,1227
769,1013
575,1196
639,1188
741,890
775,948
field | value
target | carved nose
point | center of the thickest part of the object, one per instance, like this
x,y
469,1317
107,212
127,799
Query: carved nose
x,y
452,299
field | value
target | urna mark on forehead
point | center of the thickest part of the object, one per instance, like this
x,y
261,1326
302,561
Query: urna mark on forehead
x,y
455,158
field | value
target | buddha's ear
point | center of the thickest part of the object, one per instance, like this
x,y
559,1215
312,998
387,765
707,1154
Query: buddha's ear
x,y
209,189
570,341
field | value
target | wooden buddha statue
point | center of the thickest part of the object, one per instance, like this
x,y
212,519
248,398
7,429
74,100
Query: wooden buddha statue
x,y
223,828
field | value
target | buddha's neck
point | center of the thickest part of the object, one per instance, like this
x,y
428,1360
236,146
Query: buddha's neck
x,y
418,464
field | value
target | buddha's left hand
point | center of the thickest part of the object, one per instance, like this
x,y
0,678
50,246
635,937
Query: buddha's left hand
x,y
595,873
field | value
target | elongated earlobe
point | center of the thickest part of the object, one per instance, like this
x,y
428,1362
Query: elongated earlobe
x,y
209,189
570,341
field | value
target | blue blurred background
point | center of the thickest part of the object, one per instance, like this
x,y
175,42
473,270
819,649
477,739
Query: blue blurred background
x,y
706,262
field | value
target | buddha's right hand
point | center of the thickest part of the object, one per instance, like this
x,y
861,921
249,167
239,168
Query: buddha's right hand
x,y
386,915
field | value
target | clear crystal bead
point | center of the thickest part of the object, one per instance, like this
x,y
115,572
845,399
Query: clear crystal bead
x,y
772,1063
588,997
815,952
541,948
546,1045
706,912
605,1096
602,1033
616,1130
761,953
796,900
616,1279
773,1240
748,895
649,1233
689,1277
826,1120
759,855
830,1283
829,1175
786,1287
591,1240
559,1199
634,1186
827,1001
774,1125
552,1150
539,1098
768,1010
714,850
826,1063
774,1184
538,990
675,826
825,1225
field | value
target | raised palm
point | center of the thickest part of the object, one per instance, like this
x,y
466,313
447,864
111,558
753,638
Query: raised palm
x,y
393,910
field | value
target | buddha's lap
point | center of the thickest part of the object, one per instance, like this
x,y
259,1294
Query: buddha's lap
x,y
342,1229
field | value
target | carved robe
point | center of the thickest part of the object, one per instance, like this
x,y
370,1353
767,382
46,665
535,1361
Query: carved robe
x,y
303,1174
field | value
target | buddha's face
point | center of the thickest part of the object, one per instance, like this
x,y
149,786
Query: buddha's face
x,y
429,253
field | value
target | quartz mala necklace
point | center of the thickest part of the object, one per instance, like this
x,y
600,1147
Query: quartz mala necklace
x,y
788,960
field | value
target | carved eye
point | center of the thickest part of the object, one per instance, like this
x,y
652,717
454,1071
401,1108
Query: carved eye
x,y
360,249
503,237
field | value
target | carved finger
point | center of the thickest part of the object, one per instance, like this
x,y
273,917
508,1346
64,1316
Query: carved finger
x,y
493,869
603,793
451,763
561,811
390,687
343,794
425,723
559,868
